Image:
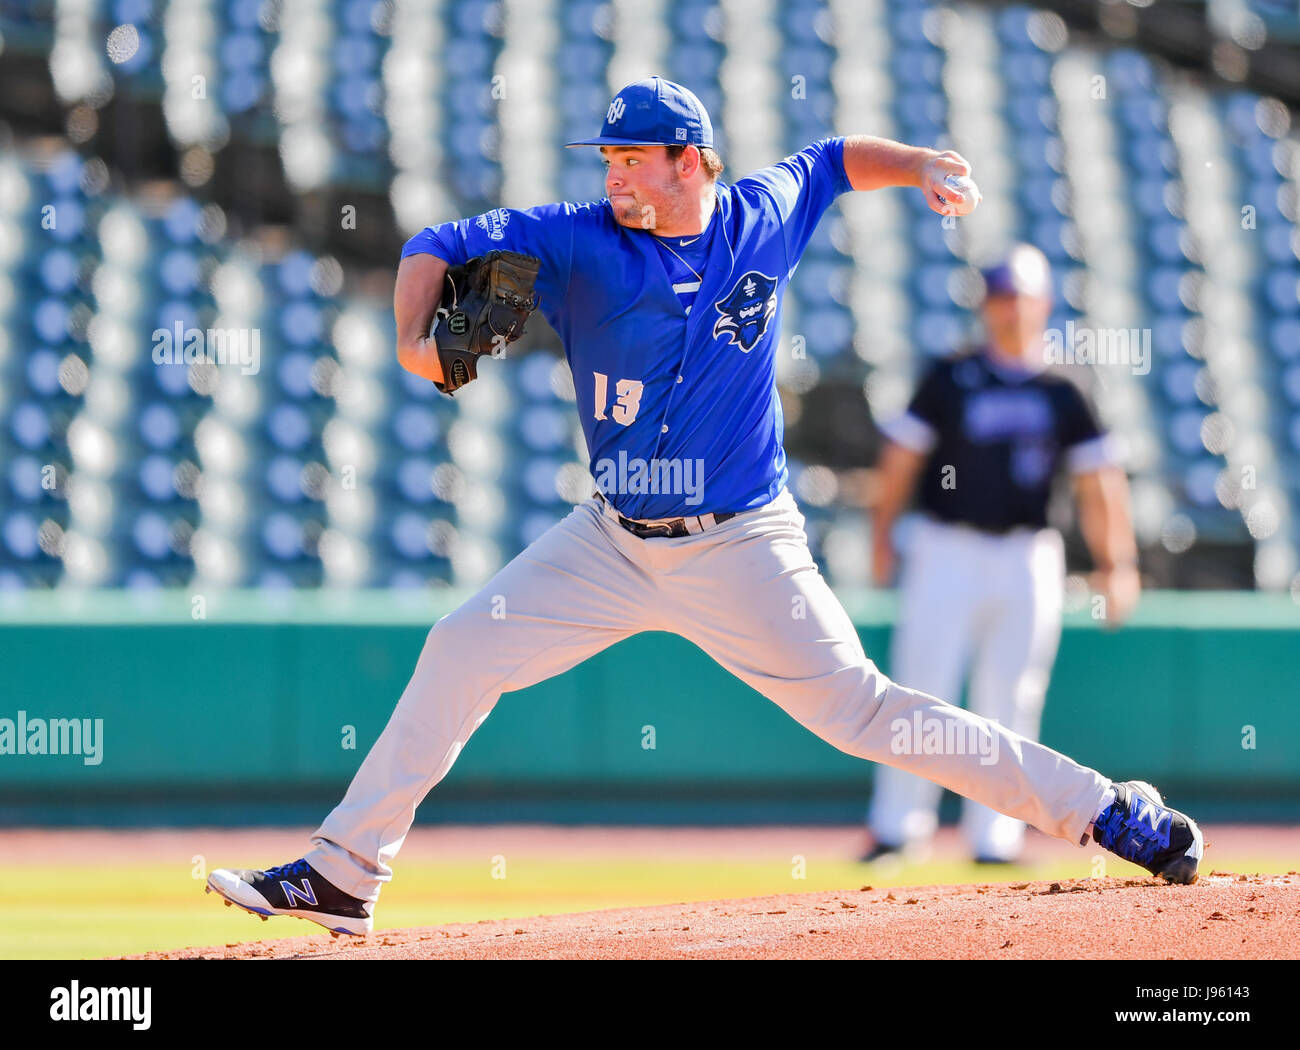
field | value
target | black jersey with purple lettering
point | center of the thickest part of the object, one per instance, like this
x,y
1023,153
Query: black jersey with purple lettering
x,y
995,435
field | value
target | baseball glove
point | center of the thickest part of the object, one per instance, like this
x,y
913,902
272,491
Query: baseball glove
x,y
484,306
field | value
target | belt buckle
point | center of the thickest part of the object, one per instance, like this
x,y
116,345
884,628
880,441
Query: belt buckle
x,y
665,530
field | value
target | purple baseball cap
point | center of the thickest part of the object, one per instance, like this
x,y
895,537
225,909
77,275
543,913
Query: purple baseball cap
x,y
1023,271
653,112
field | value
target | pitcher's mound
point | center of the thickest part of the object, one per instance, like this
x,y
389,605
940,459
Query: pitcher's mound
x,y
1222,916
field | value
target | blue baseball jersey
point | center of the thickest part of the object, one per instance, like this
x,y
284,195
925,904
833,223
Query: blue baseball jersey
x,y
685,258
672,383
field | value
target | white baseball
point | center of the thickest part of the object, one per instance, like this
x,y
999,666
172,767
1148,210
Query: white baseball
x,y
963,184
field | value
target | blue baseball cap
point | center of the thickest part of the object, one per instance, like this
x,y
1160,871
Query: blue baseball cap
x,y
653,112
1024,271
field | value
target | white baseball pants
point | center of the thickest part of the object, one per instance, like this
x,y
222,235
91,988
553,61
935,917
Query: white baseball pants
x,y
749,594
990,604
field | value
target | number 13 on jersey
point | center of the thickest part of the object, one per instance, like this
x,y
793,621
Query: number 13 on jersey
x,y
627,393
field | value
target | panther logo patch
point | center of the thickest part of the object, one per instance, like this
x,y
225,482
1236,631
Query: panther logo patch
x,y
747,310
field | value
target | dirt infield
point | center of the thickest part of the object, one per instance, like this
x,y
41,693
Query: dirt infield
x,y
616,892
1222,916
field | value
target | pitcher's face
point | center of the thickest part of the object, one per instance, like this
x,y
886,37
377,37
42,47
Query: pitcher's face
x,y
644,188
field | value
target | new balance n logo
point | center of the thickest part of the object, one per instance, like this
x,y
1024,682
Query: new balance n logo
x,y
1152,814
307,895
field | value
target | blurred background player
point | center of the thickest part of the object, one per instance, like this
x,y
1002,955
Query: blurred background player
x,y
982,580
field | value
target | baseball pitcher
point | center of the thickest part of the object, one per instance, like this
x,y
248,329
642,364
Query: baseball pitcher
x,y
667,296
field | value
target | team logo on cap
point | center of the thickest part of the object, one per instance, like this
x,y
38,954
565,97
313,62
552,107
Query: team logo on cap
x,y
746,310
615,113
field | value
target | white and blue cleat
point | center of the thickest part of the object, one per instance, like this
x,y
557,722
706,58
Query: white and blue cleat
x,y
1139,827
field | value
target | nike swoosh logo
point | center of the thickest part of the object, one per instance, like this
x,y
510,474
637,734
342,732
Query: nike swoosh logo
x,y
683,244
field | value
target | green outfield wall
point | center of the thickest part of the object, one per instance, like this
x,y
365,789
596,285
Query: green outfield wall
x,y
244,703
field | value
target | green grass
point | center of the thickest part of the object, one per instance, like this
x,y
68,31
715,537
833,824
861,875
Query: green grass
x,y
91,911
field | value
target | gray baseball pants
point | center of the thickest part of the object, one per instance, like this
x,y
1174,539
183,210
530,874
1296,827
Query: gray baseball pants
x,y
748,593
